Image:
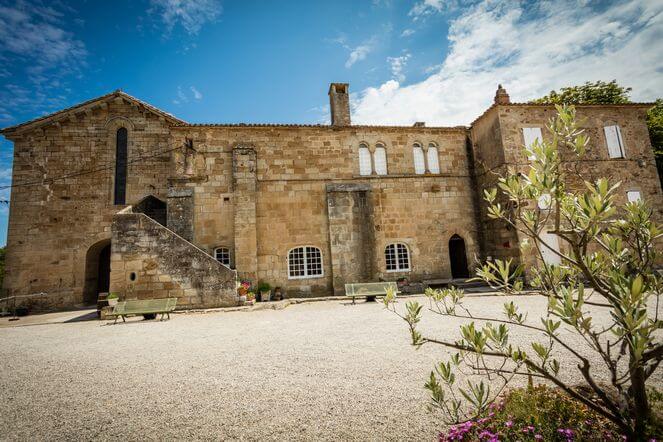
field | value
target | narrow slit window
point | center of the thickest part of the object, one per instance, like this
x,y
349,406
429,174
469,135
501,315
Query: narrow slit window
x,y
380,160
365,167
397,258
120,191
433,160
419,161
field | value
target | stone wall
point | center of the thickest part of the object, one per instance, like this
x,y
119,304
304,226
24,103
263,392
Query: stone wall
x,y
55,228
501,129
293,167
150,261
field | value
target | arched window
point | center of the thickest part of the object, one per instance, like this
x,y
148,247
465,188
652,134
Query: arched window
x,y
380,159
304,262
222,254
397,258
419,161
365,167
121,166
433,160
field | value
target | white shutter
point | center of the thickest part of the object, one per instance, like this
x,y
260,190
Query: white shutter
x,y
380,160
549,256
530,135
613,139
633,196
364,161
433,160
419,162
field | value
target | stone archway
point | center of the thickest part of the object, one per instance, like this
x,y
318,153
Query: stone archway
x,y
97,271
458,257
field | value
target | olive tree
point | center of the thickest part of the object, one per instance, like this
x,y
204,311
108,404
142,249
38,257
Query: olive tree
x,y
608,255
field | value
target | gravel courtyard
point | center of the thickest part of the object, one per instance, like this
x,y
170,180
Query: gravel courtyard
x,y
323,370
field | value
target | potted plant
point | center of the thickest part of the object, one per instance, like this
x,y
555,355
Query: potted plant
x,y
242,291
250,298
265,291
278,294
113,299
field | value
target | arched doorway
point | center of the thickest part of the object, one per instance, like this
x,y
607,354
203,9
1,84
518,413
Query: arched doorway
x,y
458,257
97,271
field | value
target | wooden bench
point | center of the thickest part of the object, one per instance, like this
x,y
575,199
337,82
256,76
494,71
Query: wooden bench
x,y
369,290
161,306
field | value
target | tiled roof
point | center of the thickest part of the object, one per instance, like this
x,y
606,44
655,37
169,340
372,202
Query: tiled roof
x,y
494,105
89,103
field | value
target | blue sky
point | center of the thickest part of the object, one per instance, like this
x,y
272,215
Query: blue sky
x,y
437,61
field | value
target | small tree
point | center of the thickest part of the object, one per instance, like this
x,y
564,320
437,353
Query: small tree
x,y
598,92
607,262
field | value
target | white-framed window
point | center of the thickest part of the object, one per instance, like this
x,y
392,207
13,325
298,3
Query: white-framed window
x,y
397,258
550,249
365,167
545,201
633,196
419,161
614,141
433,160
530,135
304,262
380,159
222,254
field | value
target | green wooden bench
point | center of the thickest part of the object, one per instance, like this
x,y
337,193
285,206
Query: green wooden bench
x,y
369,290
161,306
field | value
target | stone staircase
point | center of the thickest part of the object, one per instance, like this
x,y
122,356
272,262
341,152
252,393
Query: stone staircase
x,y
148,260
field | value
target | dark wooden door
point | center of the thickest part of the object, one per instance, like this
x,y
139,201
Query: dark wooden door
x,y
458,257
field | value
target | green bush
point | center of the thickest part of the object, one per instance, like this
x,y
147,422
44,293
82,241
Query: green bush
x,y
264,287
538,413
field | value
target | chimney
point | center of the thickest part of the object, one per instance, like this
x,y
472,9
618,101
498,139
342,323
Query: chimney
x,y
339,103
501,97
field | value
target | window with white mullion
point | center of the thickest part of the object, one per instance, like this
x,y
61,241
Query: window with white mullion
x,y
305,262
433,159
397,258
419,161
380,160
365,166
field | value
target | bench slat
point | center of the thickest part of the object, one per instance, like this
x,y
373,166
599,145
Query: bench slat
x,y
369,288
144,306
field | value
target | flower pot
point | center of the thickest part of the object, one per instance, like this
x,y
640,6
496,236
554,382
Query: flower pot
x,y
265,296
242,299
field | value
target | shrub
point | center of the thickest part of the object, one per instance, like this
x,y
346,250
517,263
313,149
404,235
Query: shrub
x,y
264,287
540,413
607,259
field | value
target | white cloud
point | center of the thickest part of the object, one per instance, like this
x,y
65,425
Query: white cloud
x,y
35,45
426,7
407,32
530,50
190,14
397,65
196,94
183,97
360,52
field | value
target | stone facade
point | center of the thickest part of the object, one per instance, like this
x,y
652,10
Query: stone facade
x,y
266,193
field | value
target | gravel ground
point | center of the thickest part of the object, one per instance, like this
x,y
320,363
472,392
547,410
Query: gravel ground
x,y
324,370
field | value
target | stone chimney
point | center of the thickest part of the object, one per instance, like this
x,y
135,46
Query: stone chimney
x,y
501,97
339,104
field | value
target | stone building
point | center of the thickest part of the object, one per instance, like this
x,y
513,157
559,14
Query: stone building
x,y
116,195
